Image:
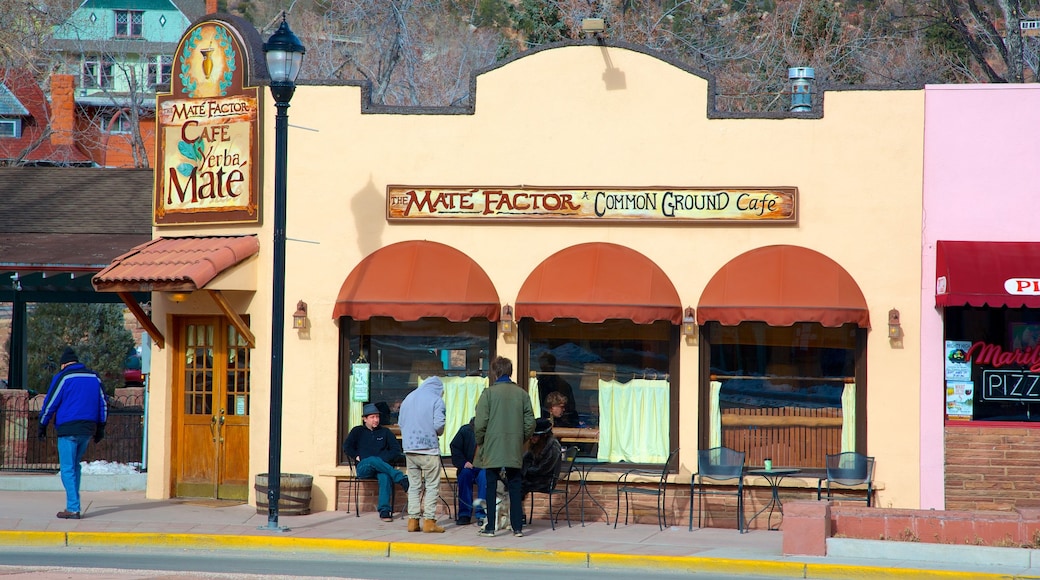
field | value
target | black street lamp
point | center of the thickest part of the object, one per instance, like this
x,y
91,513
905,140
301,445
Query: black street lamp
x,y
284,54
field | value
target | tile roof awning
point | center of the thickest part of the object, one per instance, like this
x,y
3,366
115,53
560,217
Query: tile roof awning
x,y
987,274
175,264
782,285
597,281
418,279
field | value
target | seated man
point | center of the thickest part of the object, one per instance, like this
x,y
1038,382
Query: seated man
x,y
463,449
374,448
542,459
556,405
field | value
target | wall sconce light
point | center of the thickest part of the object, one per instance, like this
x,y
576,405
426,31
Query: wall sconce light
x,y
506,324
689,323
178,297
299,318
895,330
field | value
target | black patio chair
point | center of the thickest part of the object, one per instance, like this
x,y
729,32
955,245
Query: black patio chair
x,y
629,484
849,469
718,465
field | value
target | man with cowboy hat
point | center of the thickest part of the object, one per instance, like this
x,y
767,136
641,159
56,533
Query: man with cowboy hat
x,y
373,448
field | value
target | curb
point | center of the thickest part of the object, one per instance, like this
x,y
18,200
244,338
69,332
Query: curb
x,y
479,554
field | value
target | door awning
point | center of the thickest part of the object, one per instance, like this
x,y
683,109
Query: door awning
x,y
782,285
418,279
987,274
175,264
598,281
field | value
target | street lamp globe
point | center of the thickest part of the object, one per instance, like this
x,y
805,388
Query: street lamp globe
x,y
284,53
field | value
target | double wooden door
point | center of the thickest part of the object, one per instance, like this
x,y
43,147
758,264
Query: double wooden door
x,y
211,403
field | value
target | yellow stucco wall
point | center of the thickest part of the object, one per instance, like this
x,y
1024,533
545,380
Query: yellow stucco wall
x,y
582,116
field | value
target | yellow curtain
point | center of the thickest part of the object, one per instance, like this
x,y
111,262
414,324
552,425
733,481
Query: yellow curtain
x,y
715,416
355,414
848,418
633,423
532,390
460,403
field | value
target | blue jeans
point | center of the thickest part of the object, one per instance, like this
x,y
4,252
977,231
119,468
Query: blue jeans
x,y
70,451
467,476
387,476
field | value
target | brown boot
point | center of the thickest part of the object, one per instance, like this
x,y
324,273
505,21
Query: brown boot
x,y
431,527
413,524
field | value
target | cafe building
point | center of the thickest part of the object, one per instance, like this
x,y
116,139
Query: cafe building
x,y
686,278
980,300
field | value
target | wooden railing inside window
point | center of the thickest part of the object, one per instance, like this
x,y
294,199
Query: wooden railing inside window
x,y
790,436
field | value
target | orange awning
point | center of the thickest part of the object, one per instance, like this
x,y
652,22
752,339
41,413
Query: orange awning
x,y
597,281
174,264
782,285
418,279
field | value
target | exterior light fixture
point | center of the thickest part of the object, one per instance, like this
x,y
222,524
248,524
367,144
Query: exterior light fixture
x,y
284,53
178,297
689,324
506,324
299,318
895,329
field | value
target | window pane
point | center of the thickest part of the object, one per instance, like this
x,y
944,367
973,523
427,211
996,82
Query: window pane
x,y
782,390
401,352
571,357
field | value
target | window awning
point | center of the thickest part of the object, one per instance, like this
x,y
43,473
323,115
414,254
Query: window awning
x,y
418,279
987,273
782,285
597,281
175,264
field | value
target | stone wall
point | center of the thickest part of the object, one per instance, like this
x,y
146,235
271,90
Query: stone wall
x,y
992,467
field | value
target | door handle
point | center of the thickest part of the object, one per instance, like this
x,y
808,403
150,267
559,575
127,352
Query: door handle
x,y
221,428
213,427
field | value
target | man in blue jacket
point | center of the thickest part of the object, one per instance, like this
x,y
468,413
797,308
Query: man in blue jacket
x,y
76,401
463,450
373,448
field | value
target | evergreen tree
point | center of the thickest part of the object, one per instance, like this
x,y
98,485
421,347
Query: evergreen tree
x,y
97,332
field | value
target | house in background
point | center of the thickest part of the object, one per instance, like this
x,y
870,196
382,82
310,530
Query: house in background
x,y
34,131
119,51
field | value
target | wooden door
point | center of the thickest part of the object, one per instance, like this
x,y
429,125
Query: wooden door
x,y
211,410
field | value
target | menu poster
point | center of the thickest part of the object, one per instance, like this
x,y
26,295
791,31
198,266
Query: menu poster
x,y
359,375
958,366
959,398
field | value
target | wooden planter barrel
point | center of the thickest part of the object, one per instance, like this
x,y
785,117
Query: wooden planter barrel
x,y
294,498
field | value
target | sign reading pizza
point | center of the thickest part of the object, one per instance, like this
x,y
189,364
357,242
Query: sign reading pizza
x,y
207,133
602,204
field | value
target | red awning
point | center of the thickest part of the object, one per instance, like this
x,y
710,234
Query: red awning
x,y
596,281
174,264
987,273
418,279
782,285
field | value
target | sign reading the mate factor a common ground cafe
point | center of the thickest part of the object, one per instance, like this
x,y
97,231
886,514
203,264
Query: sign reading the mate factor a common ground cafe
x,y
778,204
207,133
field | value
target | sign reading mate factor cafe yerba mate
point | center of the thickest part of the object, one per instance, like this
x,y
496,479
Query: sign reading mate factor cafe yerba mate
x,y
694,204
207,152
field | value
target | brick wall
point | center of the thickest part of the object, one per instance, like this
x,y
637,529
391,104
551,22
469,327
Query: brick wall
x,y
992,467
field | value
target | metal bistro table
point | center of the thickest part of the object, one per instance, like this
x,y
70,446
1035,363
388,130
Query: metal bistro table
x,y
774,477
583,466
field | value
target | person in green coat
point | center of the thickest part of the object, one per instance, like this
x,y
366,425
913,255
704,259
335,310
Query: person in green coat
x,y
504,421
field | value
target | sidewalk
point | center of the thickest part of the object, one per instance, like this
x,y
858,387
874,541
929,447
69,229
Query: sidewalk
x,y
122,519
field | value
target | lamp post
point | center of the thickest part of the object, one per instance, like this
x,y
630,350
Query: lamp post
x,y
284,54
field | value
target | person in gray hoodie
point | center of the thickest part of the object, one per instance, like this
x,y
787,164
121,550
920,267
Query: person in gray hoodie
x,y
422,422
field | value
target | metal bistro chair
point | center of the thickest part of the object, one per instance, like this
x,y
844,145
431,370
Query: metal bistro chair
x,y
718,465
564,475
628,484
848,469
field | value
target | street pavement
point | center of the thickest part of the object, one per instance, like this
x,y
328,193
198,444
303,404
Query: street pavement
x,y
123,520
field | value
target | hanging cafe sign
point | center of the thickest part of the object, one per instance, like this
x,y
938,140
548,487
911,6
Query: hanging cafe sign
x,y
690,204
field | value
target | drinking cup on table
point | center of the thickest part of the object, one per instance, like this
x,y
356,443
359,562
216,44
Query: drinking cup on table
x,y
769,464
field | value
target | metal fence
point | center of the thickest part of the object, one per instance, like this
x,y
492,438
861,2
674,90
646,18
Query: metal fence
x,y
20,450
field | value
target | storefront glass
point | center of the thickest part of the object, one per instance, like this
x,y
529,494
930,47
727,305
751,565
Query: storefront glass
x,y
615,377
399,355
992,363
788,394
